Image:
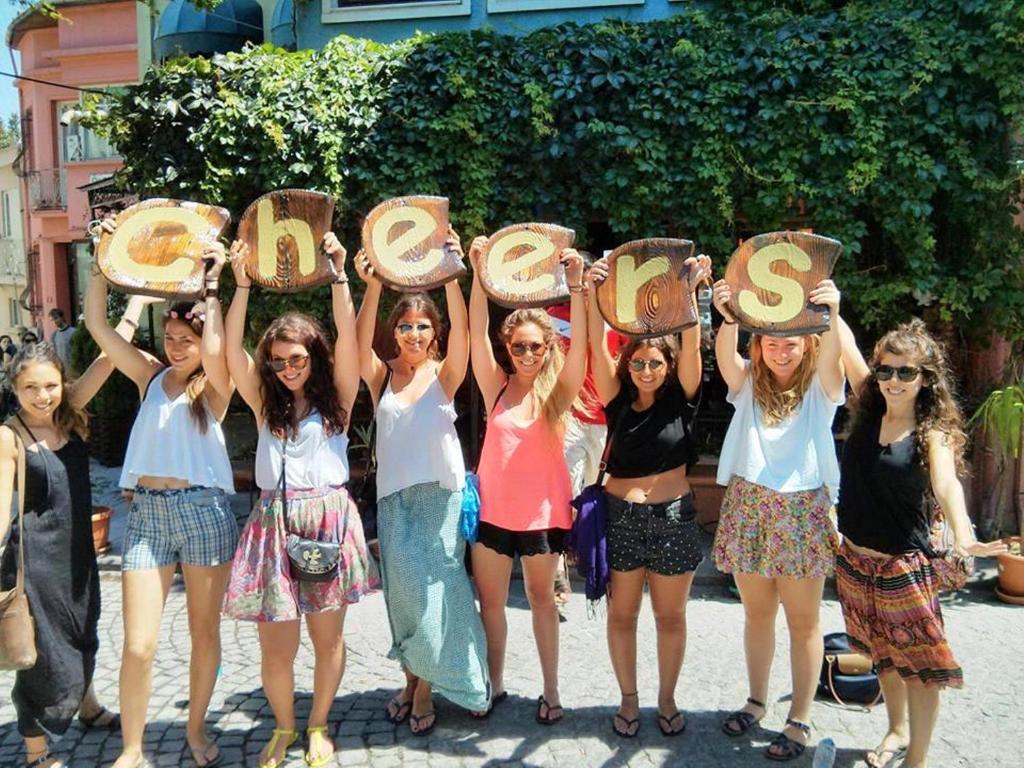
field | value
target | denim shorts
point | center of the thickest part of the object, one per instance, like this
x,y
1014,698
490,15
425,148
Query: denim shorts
x,y
193,526
663,538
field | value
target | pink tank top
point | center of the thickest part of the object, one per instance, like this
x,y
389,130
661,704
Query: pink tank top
x,y
524,480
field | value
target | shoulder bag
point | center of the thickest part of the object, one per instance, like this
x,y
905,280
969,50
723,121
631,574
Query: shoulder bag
x,y
17,630
847,677
310,560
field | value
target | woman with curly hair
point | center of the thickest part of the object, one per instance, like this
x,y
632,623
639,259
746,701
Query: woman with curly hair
x,y
301,392
525,491
774,534
435,628
650,399
904,454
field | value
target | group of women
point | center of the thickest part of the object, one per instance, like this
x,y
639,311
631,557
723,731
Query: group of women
x,y
776,534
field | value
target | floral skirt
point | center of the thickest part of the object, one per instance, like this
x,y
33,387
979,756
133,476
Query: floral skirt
x,y
892,613
262,587
773,534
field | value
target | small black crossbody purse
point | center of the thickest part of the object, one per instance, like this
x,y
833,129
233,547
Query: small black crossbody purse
x,y
310,560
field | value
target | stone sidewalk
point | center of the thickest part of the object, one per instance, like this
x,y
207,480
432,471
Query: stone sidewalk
x,y
979,727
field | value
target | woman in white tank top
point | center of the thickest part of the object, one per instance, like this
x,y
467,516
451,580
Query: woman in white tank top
x,y
178,468
437,634
301,393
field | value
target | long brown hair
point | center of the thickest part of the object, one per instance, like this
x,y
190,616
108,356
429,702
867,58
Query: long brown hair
x,y
421,304
777,403
66,419
547,378
669,348
936,407
321,393
194,316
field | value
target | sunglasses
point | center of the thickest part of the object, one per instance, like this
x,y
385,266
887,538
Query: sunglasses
x,y
520,348
639,365
295,362
406,328
903,373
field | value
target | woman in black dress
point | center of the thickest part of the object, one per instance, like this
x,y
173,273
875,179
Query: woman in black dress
x,y
61,577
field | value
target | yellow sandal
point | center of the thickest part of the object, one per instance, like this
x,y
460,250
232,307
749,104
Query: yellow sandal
x,y
322,760
290,735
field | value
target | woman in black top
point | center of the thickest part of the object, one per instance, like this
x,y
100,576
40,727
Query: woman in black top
x,y
650,398
906,446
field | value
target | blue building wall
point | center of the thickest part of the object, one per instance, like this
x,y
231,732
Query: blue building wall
x,y
314,33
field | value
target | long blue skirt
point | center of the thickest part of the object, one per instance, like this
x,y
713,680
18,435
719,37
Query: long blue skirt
x,y
435,627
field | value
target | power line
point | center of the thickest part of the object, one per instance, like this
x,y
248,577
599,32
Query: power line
x,y
56,85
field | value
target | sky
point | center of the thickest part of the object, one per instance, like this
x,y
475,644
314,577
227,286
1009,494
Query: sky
x,y
8,93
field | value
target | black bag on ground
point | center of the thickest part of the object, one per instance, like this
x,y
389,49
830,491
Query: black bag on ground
x,y
847,676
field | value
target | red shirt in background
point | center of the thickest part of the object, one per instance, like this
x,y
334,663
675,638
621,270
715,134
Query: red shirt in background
x,y
587,407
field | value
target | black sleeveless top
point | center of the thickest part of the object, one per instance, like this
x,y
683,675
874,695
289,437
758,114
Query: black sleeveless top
x,y
654,440
884,499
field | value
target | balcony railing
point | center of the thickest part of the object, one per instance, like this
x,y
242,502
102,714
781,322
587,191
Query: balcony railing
x,y
47,190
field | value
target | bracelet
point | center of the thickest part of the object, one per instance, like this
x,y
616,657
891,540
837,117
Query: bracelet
x,y
243,287
581,288
341,279
210,293
130,322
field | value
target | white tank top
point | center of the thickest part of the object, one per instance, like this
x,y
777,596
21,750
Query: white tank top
x,y
165,442
313,460
798,454
417,443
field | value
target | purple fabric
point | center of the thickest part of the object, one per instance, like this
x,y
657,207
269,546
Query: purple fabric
x,y
589,540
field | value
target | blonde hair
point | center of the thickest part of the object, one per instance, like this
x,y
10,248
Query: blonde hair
x,y
544,384
776,403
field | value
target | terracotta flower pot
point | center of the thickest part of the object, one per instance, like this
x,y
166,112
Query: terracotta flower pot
x,y
101,528
1011,572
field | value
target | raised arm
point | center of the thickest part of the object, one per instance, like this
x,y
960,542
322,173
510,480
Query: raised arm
x,y
453,369
8,469
346,346
730,364
488,374
128,359
830,357
84,388
574,370
602,364
371,367
240,364
689,368
949,492
857,370
215,364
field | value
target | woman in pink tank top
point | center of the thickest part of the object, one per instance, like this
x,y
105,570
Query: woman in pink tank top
x,y
524,482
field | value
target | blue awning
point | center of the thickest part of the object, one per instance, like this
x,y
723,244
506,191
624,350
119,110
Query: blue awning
x,y
282,30
184,30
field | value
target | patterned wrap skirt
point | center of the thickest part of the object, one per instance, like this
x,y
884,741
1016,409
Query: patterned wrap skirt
x,y
435,627
768,533
262,587
892,613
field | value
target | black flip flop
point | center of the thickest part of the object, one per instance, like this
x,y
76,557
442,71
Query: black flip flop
x,y
92,723
547,719
401,714
490,707
417,719
665,724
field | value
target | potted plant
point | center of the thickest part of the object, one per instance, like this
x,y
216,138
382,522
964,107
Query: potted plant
x,y
1000,420
101,528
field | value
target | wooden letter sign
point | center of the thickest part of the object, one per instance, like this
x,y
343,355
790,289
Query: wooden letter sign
x,y
648,291
771,275
404,240
284,231
519,266
158,245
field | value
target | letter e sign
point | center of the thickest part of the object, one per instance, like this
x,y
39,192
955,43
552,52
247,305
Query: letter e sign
x,y
519,266
771,275
158,245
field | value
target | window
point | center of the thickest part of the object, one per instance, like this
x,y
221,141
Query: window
x,y
78,143
5,212
15,311
380,10
516,6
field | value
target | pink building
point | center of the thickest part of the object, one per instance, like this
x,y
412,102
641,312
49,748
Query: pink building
x,y
93,45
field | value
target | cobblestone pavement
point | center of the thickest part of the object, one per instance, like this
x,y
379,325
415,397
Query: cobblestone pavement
x,y
979,727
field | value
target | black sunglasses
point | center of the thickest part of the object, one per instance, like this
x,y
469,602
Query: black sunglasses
x,y
905,373
295,362
639,365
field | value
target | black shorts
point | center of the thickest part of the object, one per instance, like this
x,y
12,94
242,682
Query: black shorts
x,y
523,543
663,538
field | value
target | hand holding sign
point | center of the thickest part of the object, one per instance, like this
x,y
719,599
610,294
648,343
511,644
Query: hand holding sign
x,y
646,287
771,278
239,256
156,247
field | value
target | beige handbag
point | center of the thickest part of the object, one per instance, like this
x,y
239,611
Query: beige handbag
x,y
17,630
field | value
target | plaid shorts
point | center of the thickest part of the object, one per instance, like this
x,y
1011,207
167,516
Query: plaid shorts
x,y
193,526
